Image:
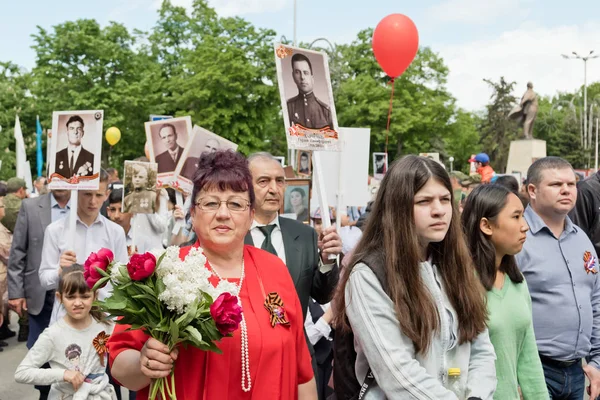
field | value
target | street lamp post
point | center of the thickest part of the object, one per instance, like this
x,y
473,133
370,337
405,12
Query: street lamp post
x,y
596,158
586,134
451,159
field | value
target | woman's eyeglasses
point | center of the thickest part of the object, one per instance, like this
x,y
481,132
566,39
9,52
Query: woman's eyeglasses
x,y
212,205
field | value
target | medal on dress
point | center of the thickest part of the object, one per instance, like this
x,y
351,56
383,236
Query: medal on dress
x,y
589,263
274,306
99,343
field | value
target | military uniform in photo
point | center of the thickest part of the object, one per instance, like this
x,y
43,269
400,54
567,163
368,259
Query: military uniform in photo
x,y
140,202
71,161
310,112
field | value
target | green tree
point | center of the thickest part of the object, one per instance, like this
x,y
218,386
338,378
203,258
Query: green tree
x,y
81,66
497,131
462,139
15,100
220,72
559,125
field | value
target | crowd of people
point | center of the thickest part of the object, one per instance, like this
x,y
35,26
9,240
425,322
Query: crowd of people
x,y
444,286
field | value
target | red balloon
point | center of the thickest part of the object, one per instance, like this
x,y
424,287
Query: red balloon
x,y
395,43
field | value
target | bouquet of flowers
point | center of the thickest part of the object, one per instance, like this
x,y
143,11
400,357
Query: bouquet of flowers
x,y
171,299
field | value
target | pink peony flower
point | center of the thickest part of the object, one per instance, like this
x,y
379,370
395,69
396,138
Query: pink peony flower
x,y
101,260
227,313
141,266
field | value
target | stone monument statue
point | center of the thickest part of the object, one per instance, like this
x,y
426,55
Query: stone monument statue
x,y
526,111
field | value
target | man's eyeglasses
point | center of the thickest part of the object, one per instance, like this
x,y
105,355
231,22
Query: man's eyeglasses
x,y
212,205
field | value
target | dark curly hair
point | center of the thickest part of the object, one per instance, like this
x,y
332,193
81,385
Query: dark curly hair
x,y
223,170
72,351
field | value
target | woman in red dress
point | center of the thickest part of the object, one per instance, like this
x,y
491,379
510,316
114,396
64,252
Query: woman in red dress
x,y
267,357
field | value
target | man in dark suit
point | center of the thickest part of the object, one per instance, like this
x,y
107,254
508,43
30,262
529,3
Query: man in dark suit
x,y
304,253
167,160
306,109
74,159
25,293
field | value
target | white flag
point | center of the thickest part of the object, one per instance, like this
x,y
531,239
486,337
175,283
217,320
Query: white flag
x,y
20,150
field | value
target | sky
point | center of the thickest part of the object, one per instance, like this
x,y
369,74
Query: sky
x,y
521,40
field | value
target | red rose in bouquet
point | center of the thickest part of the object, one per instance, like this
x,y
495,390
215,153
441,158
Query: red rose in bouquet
x,y
101,260
227,313
141,266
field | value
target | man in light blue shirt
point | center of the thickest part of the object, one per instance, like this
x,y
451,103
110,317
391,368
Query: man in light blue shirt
x,y
561,268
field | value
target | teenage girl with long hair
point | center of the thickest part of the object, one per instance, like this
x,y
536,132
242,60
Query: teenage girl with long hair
x,y
496,230
410,296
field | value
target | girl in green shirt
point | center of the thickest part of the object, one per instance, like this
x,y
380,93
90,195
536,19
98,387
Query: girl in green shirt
x,y
496,230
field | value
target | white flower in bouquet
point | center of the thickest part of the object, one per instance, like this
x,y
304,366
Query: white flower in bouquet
x,y
119,274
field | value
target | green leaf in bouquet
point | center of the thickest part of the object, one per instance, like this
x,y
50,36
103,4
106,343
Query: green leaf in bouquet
x,y
210,329
194,336
160,258
103,272
174,332
125,285
100,283
145,297
145,288
188,316
163,326
160,285
115,303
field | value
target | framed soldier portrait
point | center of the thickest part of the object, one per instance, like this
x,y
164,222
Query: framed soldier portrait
x,y
167,140
304,162
139,192
280,160
306,99
296,200
203,141
75,150
380,165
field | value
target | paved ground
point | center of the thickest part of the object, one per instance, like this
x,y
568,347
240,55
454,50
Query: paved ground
x,y
10,358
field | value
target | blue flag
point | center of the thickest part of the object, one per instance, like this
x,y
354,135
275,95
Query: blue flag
x,y
40,157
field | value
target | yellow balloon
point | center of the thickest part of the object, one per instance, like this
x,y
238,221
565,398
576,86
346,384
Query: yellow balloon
x,y
113,135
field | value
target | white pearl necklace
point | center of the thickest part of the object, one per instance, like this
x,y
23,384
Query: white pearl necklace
x,y
246,379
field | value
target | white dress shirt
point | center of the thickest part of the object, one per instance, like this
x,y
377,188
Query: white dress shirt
x,y
277,241
141,241
276,237
318,330
102,233
70,149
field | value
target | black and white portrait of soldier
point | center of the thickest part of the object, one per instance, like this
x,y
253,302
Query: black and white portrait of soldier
x,y
380,164
305,108
304,163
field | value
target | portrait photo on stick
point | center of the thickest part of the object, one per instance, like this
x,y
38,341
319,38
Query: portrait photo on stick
x,y
380,165
167,140
203,141
304,162
306,98
75,150
139,183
